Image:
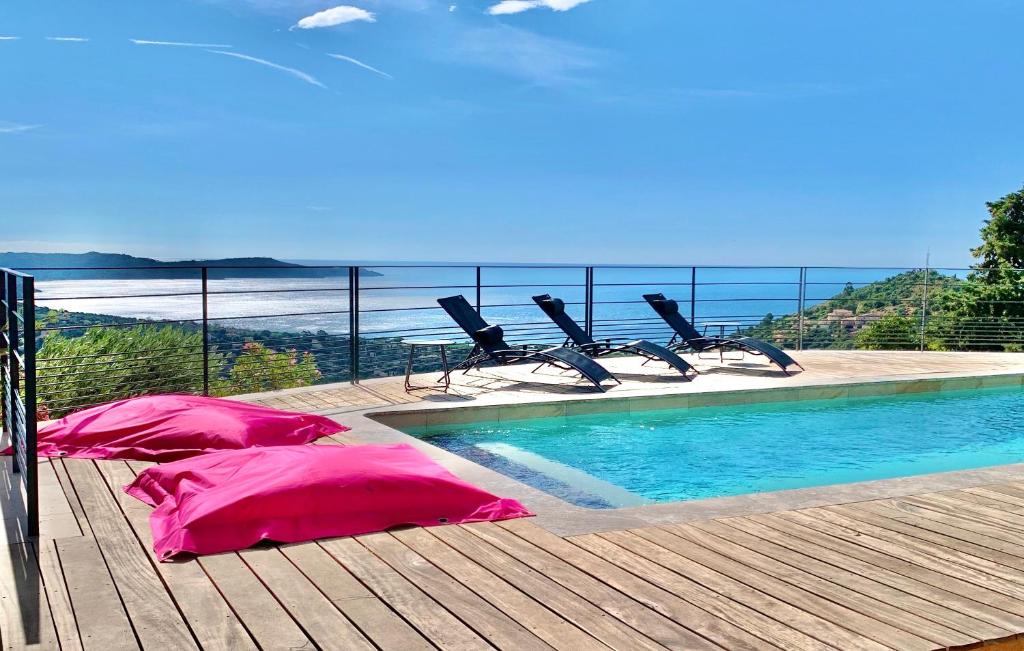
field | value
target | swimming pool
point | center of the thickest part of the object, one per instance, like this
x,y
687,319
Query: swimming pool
x,y
625,459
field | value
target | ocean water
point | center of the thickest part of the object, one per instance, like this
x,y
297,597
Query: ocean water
x,y
401,301
609,460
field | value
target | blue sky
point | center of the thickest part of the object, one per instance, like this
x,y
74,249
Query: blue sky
x,y
620,131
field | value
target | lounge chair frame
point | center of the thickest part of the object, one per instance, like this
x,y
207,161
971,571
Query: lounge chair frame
x,y
687,337
578,339
490,346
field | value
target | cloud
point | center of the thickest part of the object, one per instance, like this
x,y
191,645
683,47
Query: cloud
x,y
9,38
542,60
139,41
335,16
12,127
309,79
68,39
518,6
357,62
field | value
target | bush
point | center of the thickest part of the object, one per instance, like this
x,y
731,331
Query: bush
x,y
259,368
892,332
108,364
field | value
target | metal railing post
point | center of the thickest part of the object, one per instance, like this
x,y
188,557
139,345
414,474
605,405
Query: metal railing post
x,y
204,277
924,302
14,377
353,321
693,295
28,310
800,307
3,352
478,292
588,298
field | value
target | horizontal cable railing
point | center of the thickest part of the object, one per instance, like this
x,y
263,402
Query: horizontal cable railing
x,y
107,333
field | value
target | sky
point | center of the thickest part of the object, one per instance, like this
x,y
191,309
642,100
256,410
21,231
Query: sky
x,y
795,132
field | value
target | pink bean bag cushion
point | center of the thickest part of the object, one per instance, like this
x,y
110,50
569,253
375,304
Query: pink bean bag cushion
x,y
231,500
169,427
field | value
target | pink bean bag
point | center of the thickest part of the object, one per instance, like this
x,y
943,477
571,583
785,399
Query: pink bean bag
x,y
231,500
169,427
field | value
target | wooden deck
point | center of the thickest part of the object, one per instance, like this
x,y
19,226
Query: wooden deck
x,y
924,572
930,571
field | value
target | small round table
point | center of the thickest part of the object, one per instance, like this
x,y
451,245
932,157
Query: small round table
x,y
722,325
442,345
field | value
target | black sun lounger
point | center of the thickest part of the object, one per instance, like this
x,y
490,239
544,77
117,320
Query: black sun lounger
x,y
491,347
581,341
693,340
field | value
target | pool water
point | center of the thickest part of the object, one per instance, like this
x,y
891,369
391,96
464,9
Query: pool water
x,y
626,459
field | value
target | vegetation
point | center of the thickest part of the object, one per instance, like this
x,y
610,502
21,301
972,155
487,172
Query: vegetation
x,y
105,364
892,332
111,363
259,368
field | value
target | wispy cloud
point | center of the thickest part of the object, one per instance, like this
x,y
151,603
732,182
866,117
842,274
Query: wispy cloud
x,y
518,6
9,38
308,78
541,60
12,127
68,39
139,41
335,16
357,62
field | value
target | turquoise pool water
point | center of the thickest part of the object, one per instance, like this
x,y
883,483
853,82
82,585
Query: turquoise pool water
x,y
612,460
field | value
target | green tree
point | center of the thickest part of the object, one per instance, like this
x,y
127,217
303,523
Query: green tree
x,y
892,332
259,368
987,310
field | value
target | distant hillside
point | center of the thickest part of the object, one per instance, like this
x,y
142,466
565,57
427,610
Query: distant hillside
x,y
91,265
834,322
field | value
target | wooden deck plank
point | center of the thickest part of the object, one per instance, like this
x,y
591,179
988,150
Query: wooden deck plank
x,y
371,615
57,466
825,600
896,607
720,631
1011,490
102,621
964,614
992,492
924,515
57,596
927,532
769,603
263,617
155,617
27,623
1009,579
621,606
209,616
583,614
970,511
435,623
998,592
771,631
324,623
489,621
978,601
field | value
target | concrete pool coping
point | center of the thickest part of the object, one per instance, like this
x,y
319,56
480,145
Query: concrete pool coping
x,y
380,425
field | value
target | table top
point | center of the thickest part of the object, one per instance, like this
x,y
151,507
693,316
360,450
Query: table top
x,y
427,342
